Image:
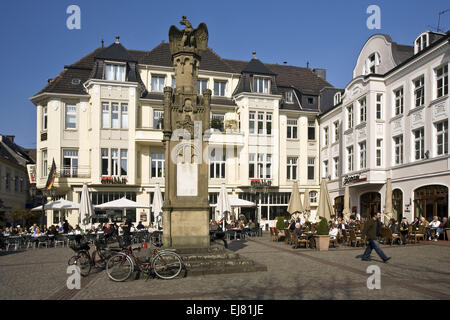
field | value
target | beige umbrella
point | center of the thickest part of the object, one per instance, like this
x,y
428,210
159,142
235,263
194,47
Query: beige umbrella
x,y
346,213
295,203
388,213
325,207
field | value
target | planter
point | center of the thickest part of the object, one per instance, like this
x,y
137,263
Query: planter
x,y
447,233
322,242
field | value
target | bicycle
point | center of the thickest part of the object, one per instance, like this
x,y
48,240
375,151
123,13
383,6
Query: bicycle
x,y
86,261
166,264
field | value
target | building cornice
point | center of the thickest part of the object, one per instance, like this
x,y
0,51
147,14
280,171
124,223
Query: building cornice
x,y
41,96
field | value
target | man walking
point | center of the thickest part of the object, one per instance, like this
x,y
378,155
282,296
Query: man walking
x,y
370,231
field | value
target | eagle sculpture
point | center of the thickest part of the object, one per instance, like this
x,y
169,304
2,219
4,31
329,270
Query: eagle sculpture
x,y
188,39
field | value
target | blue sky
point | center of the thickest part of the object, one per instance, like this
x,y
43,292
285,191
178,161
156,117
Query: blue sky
x,y
328,34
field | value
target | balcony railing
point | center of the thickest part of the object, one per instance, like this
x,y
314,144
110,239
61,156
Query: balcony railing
x,y
73,172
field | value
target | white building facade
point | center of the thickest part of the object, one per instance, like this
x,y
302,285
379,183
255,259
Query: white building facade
x,y
391,121
101,121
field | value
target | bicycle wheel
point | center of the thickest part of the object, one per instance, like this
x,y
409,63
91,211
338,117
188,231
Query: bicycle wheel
x,y
119,267
83,260
167,265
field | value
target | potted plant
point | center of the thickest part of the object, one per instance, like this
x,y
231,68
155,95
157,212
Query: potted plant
x,y
447,230
323,237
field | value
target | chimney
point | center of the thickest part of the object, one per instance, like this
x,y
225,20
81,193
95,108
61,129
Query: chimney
x,y
285,62
117,39
103,43
307,64
254,54
321,73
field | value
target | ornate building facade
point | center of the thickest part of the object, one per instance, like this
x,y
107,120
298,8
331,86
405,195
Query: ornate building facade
x,y
391,121
101,119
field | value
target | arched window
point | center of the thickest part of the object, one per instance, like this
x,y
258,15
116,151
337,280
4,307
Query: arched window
x,y
397,204
337,98
421,42
313,196
372,62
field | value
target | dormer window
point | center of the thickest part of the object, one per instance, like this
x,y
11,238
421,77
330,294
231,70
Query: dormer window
x,y
158,83
289,97
115,72
421,42
261,85
372,62
337,98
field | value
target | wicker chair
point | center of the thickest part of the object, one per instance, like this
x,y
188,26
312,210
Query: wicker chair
x,y
297,241
389,237
354,239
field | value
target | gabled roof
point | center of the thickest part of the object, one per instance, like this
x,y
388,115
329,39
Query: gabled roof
x,y
115,52
255,66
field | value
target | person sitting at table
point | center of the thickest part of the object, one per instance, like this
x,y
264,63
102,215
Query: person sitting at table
x,y
140,226
342,225
432,226
291,225
440,229
423,222
333,232
415,223
404,228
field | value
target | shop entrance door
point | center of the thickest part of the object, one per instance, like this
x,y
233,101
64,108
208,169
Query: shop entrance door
x,y
370,204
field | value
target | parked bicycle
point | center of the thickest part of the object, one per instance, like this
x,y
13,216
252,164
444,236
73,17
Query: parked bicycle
x,y
165,264
86,261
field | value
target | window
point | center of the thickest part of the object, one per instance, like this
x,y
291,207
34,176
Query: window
x,y
421,43
105,161
362,155
419,91
123,162
350,116
263,165
44,163
311,130
325,169
398,101
114,162
157,165
336,131
313,196
292,128
174,82
217,121
269,123
310,100
261,85
70,163
115,115
289,97
105,116
219,88
217,164
398,149
158,119
16,183
251,166
442,137
337,98
419,148
8,180
251,122
325,136
311,165
378,152
158,83
71,117
260,122
379,106
124,116
115,72
202,85
372,62
336,166
292,168
44,118
362,110
442,81
350,159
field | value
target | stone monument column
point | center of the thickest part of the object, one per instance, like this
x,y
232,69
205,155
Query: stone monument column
x,y
186,118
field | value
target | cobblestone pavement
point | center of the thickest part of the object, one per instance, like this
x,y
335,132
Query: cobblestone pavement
x,y
414,272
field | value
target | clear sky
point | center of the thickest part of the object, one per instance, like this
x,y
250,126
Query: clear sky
x,y
36,43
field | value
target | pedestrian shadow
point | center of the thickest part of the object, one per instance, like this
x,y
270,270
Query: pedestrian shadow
x,y
236,245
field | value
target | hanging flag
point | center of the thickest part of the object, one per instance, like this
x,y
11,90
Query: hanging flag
x,y
51,176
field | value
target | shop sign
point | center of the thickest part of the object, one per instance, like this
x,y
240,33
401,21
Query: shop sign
x,y
353,179
143,217
113,180
260,182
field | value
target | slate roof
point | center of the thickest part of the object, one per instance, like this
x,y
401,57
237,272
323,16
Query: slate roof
x,y
327,98
257,67
14,153
115,52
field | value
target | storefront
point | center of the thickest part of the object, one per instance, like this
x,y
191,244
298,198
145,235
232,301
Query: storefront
x,y
338,206
370,204
431,201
